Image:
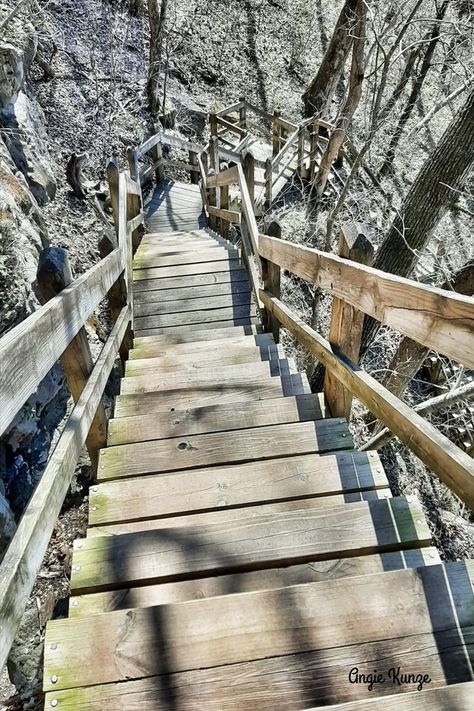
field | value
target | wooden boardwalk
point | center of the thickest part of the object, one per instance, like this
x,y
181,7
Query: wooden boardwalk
x,y
240,552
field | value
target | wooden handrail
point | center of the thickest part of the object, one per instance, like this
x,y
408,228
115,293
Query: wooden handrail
x,y
43,336
441,320
25,553
226,177
229,126
453,466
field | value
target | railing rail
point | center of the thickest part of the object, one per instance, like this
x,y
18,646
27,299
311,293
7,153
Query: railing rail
x,y
27,354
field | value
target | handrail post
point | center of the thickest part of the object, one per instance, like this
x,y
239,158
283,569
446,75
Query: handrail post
x,y
268,184
134,202
271,276
193,161
53,275
275,133
243,113
213,198
157,155
248,165
345,331
213,124
224,224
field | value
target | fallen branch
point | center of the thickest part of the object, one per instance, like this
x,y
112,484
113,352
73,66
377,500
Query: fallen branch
x,y
465,392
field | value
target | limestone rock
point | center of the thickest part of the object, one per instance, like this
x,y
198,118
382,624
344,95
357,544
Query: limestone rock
x,y
7,523
17,51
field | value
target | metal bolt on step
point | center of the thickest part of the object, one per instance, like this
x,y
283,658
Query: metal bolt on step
x,y
54,702
54,679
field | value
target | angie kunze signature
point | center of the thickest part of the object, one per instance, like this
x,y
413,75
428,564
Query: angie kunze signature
x,y
394,676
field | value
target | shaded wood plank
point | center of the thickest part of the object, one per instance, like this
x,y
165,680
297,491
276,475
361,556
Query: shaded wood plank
x,y
205,358
161,346
156,308
223,265
303,618
201,316
199,395
191,451
283,538
231,486
246,321
312,572
191,280
153,382
224,515
272,684
149,261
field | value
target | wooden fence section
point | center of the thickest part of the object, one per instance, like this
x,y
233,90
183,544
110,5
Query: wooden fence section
x,y
43,338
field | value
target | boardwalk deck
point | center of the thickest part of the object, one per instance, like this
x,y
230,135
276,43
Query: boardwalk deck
x,y
240,553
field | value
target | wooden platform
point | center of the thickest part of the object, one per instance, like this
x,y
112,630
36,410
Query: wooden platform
x,y
240,553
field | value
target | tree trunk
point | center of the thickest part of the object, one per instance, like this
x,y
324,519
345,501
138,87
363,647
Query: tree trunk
x,y
350,105
415,92
435,188
157,19
318,96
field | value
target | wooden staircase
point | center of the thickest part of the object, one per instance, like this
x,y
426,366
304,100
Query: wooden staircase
x,y
240,552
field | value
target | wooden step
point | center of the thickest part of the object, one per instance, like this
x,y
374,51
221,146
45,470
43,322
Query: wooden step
x,y
229,302
229,264
281,538
191,293
198,342
205,358
223,515
341,625
145,261
267,442
220,375
243,485
245,321
312,572
214,276
456,697
184,318
216,418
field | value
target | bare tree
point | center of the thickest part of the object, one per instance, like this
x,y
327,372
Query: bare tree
x,y
350,105
157,17
435,188
318,95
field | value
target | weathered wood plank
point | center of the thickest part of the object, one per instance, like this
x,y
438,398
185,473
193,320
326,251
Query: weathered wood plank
x,y
271,684
205,358
25,553
228,215
157,308
43,336
228,264
457,696
202,279
195,316
226,515
226,177
154,382
312,572
148,261
453,466
198,396
303,618
247,321
441,320
283,538
242,485
161,346
266,442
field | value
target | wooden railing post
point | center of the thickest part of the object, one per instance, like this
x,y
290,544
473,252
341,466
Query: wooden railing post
x,y
224,226
113,180
301,137
157,155
134,202
275,133
213,124
345,331
243,114
53,275
268,184
271,282
248,165
214,165
194,161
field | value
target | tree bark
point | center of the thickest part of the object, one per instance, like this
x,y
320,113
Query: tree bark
x,y
435,188
318,95
350,105
157,19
